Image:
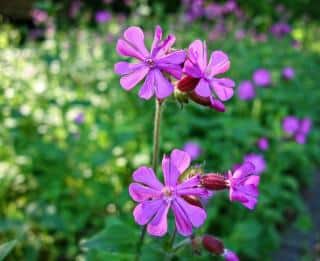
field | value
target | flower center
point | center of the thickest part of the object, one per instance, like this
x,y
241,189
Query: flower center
x,y
167,192
149,62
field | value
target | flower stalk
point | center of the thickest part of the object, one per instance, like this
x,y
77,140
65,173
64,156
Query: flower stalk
x,y
155,157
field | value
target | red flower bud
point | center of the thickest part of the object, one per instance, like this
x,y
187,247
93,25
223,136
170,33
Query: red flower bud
x,y
193,200
187,84
213,244
214,181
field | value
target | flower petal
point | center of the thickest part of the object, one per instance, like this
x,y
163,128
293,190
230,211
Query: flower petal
x,y
147,177
203,88
123,48
191,187
198,54
192,69
147,89
216,104
182,221
123,68
130,80
163,47
218,63
163,88
244,170
157,38
223,88
170,172
159,225
144,211
175,57
174,69
135,37
181,159
141,193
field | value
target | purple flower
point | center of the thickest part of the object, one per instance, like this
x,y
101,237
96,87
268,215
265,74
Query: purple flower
x,y
263,143
298,129
262,77
288,73
213,10
151,65
216,90
194,9
155,199
290,125
258,162
243,184
39,16
193,149
79,119
280,29
246,91
229,255
103,16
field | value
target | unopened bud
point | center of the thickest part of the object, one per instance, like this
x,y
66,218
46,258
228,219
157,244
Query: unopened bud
x,y
214,181
187,84
213,244
193,200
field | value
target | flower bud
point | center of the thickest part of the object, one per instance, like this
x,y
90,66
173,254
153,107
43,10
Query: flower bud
x,y
214,181
193,200
213,244
187,84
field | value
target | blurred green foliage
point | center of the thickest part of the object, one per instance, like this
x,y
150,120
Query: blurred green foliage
x,y
63,189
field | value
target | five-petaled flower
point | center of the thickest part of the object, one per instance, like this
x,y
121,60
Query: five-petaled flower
x,y
208,88
151,65
243,185
155,199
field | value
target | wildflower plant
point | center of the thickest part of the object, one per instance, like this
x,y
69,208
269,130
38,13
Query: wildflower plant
x,y
184,75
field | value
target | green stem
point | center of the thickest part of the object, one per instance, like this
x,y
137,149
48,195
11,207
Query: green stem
x,y
155,157
170,246
156,135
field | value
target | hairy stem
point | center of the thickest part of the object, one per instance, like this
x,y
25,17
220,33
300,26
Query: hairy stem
x,y
155,157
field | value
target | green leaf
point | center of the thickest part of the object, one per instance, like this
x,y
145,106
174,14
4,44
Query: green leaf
x,y
6,248
115,237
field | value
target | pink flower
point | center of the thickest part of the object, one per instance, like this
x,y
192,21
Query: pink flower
x,y
150,65
290,125
193,149
297,129
39,16
262,77
229,255
102,16
155,199
288,73
246,91
258,162
243,184
263,143
214,90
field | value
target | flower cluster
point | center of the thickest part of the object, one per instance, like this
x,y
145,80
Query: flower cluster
x,y
296,128
197,77
155,199
261,78
186,189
